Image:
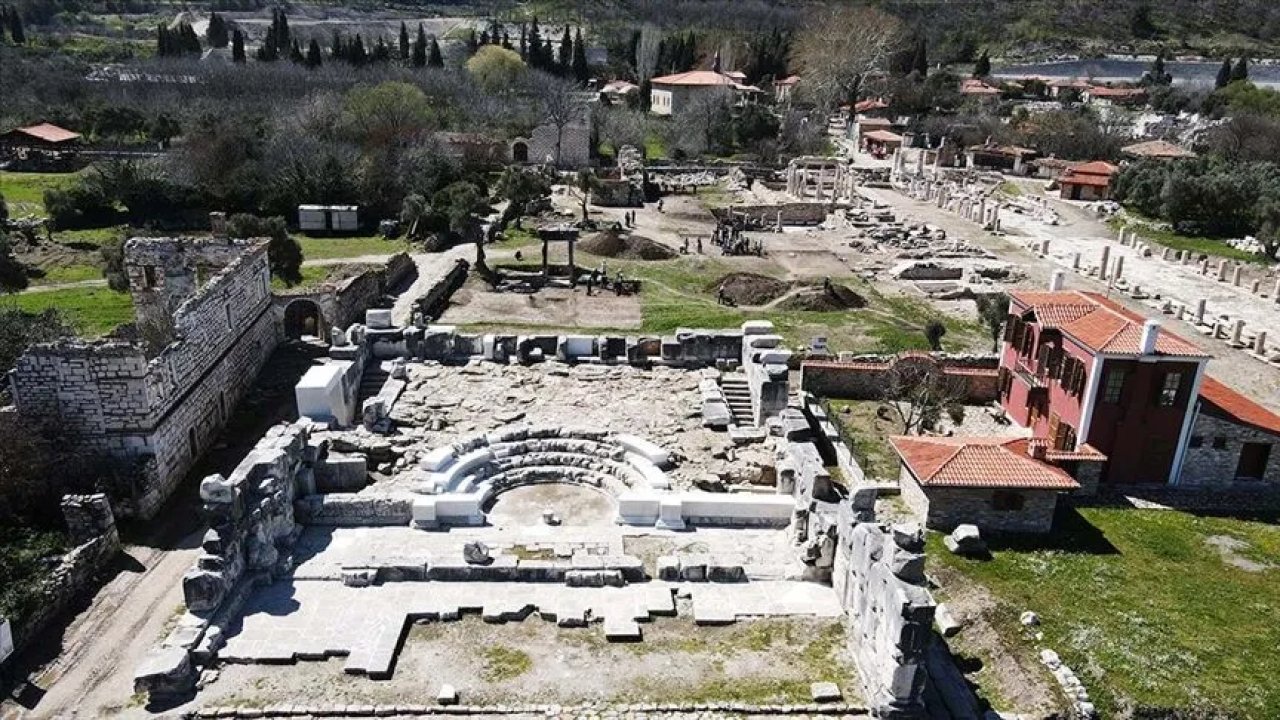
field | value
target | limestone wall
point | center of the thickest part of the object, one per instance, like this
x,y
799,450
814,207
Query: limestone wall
x,y
878,575
1208,465
433,302
794,213
945,508
92,528
112,399
164,272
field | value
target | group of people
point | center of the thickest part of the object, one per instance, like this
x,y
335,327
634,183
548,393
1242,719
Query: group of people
x,y
684,248
629,218
731,240
599,277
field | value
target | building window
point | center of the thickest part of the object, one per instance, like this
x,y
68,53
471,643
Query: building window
x,y
1197,441
149,276
1169,389
229,325
1115,386
1220,443
1007,500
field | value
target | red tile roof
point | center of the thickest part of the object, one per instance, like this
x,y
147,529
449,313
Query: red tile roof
x,y
1222,400
974,86
978,462
867,105
1097,167
1117,92
1099,323
882,136
791,80
695,77
48,133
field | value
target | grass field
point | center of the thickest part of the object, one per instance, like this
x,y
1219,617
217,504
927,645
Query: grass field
x,y
1213,247
347,247
68,274
95,310
24,192
1152,616
869,437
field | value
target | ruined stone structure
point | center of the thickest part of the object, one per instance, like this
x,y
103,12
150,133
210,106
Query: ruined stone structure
x,y
863,377
314,311
160,410
821,178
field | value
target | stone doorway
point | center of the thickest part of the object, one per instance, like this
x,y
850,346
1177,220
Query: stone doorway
x,y
301,318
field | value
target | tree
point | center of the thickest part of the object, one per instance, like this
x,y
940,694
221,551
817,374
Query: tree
x,y
982,67
268,50
581,72
355,52
1224,74
565,59
314,56
1241,70
216,34
404,43
459,203
112,254
1140,24
534,53
4,214
934,331
842,45
918,392
13,274
920,58
495,68
420,48
584,184
435,59
387,114
992,311
284,254
1157,75
521,187
558,105
16,30
281,25
237,46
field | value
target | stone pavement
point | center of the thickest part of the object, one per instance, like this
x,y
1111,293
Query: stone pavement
x,y
713,711
311,620
322,552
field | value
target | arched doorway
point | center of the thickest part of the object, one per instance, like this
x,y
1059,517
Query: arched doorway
x,y
520,151
302,317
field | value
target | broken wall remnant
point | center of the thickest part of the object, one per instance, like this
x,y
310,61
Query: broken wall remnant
x,y
977,378
878,575
164,272
343,303
163,410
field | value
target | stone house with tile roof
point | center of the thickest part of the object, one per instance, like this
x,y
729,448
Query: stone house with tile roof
x,y
997,483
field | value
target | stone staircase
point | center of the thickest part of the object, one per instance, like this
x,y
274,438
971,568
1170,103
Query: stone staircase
x,y
371,381
737,395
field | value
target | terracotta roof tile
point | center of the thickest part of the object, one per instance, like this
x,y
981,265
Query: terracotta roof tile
x,y
883,136
978,462
1156,148
1222,400
695,77
1100,324
48,133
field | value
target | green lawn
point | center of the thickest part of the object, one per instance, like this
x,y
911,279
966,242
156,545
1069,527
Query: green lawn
x,y
1209,246
868,436
67,274
95,310
24,192
329,248
1145,610
91,236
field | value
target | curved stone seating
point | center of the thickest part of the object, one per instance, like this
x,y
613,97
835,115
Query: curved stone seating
x,y
461,478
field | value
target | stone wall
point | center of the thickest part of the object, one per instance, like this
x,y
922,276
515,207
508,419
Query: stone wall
x,y
618,193
575,146
1209,465
164,272
794,213
432,303
944,508
878,575
251,534
165,410
865,379
92,529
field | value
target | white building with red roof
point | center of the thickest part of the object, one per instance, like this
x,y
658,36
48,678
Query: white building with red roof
x,y
672,94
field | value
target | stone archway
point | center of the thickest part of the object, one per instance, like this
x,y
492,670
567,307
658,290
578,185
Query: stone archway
x,y
303,317
520,151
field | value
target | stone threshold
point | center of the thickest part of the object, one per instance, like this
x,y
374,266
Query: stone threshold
x,y
365,711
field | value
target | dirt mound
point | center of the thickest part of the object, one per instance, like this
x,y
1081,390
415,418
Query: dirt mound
x,y
615,244
817,299
750,288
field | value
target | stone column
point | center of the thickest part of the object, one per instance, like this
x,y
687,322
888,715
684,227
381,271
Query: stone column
x,y
1075,261
1222,271
573,272
1102,263
1119,268
546,270
1260,343
1237,333
1235,275
1275,294
1164,254
1204,266
1257,286
1200,304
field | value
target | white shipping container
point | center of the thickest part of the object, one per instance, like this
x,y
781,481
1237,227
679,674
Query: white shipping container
x,y
311,217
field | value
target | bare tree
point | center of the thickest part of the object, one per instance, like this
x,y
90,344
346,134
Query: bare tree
x,y
559,104
917,392
842,45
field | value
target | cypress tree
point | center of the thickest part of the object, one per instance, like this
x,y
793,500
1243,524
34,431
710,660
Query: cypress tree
x,y
404,43
548,58
216,35
16,30
506,40
533,56
4,22
524,42
237,46
920,61
295,53
1224,75
420,48
355,52
581,72
435,59
381,52
484,38
472,43
267,51
982,67
338,50
282,33
314,56
566,51
162,41
1241,70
